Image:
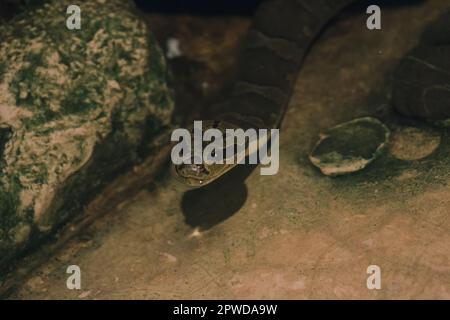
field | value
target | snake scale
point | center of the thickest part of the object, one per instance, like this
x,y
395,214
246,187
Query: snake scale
x,y
277,43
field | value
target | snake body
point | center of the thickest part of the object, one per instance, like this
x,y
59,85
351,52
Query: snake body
x,y
277,43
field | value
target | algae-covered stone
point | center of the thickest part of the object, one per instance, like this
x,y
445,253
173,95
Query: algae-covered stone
x,y
76,108
350,147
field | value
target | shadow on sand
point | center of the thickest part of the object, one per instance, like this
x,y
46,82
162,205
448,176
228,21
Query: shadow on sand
x,y
208,206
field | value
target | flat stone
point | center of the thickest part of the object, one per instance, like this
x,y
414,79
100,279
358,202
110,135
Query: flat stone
x,y
411,143
350,147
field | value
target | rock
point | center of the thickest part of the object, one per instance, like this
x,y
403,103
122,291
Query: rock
x,y
409,143
438,32
422,83
9,8
350,147
77,107
421,86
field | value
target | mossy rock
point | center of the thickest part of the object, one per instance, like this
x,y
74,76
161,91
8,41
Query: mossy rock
x,y
77,107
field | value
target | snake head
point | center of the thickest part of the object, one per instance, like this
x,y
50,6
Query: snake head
x,y
196,172
194,175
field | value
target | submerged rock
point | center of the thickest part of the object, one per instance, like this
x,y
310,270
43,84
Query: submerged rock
x,y
421,86
409,143
77,107
350,147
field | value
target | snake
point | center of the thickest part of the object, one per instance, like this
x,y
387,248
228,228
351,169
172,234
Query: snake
x,y
278,40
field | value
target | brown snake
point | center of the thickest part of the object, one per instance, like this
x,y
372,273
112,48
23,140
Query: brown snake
x,y
277,43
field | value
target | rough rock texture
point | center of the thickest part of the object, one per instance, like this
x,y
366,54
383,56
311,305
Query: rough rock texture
x,y
76,108
422,80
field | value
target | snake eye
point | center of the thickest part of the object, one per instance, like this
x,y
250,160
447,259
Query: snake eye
x,y
193,171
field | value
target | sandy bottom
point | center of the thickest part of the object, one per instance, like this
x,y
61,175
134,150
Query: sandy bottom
x,y
297,234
